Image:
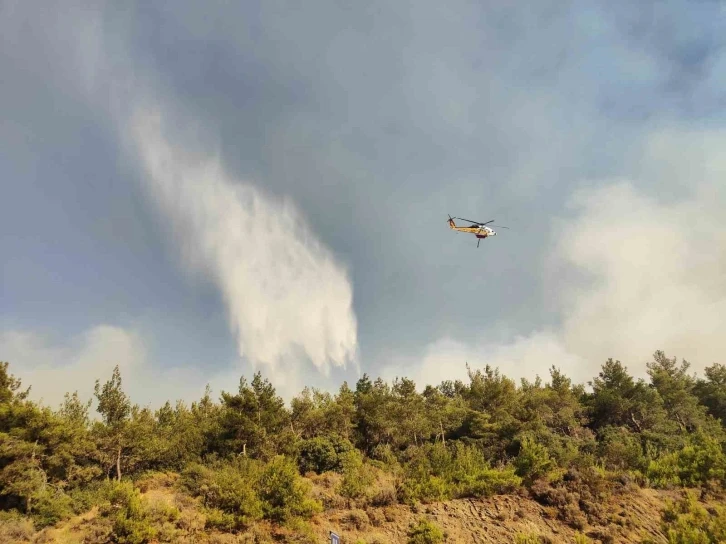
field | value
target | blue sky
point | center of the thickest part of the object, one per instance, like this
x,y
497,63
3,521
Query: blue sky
x,y
196,192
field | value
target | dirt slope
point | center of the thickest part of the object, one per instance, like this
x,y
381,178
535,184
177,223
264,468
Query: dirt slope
x,y
497,520
628,517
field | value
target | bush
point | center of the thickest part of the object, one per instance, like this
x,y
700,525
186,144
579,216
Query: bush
x,y
663,472
533,461
357,518
227,491
15,528
621,449
284,493
86,497
50,507
577,498
701,461
697,463
358,477
240,492
438,472
322,454
129,514
425,532
527,538
688,522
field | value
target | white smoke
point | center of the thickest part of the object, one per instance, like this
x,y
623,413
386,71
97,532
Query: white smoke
x,y
53,367
286,295
634,271
289,301
655,261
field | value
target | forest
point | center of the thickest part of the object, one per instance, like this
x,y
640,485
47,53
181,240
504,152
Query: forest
x,y
248,467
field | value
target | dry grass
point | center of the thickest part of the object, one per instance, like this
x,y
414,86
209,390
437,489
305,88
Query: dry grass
x,y
626,517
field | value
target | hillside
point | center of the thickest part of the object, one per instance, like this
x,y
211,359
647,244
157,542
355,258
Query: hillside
x,y
484,461
631,516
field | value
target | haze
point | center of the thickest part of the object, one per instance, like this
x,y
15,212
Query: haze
x,y
199,191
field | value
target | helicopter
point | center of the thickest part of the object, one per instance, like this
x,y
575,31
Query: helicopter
x,y
477,228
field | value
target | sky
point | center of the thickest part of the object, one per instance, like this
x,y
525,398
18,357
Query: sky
x,y
199,191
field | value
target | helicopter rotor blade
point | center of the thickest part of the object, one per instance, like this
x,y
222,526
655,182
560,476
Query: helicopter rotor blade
x,y
475,222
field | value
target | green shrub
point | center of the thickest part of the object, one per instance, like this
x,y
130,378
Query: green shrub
x,y
284,493
50,507
533,461
527,538
322,454
663,471
581,538
86,497
688,522
222,521
129,514
489,481
358,477
425,532
697,463
701,461
239,492
620,449
438,472
227,488
425,488
14,527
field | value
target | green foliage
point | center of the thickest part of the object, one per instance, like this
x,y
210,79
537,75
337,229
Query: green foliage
x,y
357,475
240,492
438,472
228,491
284,493
15,527
50,507
711,392
527,538
243,454
618,400
254,421
10,386
115,408
533,461
701,461
620,449
322,453
688,522
676,387
129,513
425,532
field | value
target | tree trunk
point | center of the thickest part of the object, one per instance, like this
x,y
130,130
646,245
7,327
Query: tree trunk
x,y
441,426
118,465
635,422
681,423
244,449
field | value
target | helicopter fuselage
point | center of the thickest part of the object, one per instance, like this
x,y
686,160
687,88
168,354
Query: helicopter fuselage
x,y
480,231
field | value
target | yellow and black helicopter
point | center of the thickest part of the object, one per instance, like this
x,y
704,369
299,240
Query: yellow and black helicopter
x,y
477,228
